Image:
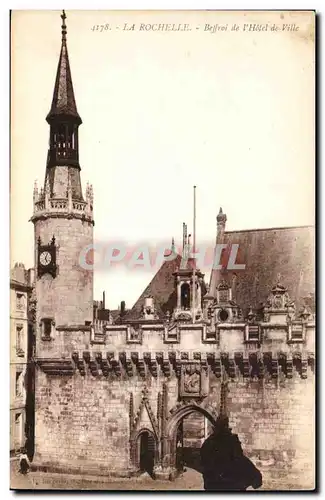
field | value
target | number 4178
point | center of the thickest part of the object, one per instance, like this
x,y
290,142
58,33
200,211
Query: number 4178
x,y
100,27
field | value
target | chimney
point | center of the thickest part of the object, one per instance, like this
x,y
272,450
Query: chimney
x,y
103,299
122,308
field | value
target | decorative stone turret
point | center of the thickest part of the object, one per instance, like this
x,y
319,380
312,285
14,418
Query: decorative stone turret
x,y
149,309
225,307
278,307
184,291
221,224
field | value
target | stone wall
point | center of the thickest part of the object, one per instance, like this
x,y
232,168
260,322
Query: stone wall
x,y
83,422
95,393
68,300
274,419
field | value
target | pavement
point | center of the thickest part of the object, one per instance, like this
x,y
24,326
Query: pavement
x,y
189,480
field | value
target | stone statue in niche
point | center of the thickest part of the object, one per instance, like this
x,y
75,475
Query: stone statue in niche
x,y
191,381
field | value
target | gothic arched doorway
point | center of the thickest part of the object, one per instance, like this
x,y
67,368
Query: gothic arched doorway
x,y
178,454
147,449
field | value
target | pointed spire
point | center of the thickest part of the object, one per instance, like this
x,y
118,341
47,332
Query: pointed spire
x,y
47,192
305,314
35,192
47,187
63,102
221,217
184,235
64,27
250,314
91,193
173,245
221,224
69,188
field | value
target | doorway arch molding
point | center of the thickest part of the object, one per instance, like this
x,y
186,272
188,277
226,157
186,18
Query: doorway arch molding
x,y
179,412
135,446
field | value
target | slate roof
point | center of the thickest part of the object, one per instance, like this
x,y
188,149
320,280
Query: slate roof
x,y
63,102
287,254
269,255
161,288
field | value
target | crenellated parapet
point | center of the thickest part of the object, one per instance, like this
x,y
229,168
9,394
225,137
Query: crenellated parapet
x,y
281,343
48,204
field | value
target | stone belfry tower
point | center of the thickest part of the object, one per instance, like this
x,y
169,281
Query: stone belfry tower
x,y
63,218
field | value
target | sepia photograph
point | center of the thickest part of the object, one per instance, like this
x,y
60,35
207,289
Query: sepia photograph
x,y
162,250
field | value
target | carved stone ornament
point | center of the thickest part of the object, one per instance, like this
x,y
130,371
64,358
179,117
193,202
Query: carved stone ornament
x,y
190,383
183,316
278,298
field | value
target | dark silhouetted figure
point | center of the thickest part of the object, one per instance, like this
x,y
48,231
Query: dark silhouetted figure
x,y
23,462
225,467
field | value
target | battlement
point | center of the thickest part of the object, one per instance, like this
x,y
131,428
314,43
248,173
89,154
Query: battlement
x,y
49,205
187,341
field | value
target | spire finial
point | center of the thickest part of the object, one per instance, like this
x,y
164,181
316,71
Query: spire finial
x,y
64,27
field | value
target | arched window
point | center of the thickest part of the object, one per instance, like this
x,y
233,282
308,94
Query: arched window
x,y
223,315
185,296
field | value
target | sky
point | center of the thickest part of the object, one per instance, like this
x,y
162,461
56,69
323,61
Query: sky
x,y
231,112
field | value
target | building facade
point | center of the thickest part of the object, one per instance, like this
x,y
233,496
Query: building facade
x,y
20,336
115,399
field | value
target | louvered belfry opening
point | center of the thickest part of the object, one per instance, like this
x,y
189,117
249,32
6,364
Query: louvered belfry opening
x,y
63,117
185,296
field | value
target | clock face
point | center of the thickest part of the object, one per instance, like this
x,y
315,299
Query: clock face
x,y
45,258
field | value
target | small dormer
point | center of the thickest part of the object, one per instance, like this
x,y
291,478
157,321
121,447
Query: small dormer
x,y
224,293
188,297
225,307
149,308
278,308
184,292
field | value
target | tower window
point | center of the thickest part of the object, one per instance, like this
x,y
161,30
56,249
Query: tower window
x,y
19,301
18,336
19,340
46,328
185,296
18,387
